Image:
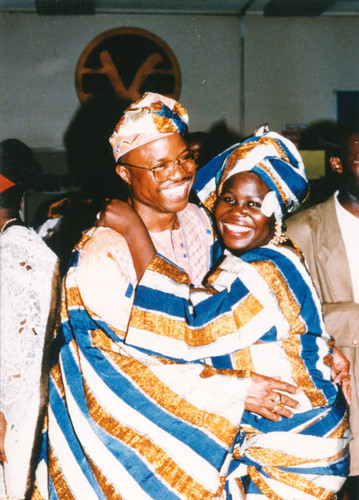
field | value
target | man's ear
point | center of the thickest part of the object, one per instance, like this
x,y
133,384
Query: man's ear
x,y
336,164
124,173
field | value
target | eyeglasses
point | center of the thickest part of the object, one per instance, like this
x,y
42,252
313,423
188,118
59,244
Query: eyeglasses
x,y
162,172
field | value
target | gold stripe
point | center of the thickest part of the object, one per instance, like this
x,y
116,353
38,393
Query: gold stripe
x,y
80,245
263,486
291,345
300,483
177,329
277,458
36,495
246,310
57,478
73,297
243,359
163,124
56,376
209,371
240,487
164,465
161,266
213,276
145,379
105,485
101,340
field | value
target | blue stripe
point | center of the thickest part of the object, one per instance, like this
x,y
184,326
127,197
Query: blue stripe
x,y
74,258
129,291
270,336
158,301
59,410
166,112
222,362
211,169
340,468
309,312
52,491
123,453
195,438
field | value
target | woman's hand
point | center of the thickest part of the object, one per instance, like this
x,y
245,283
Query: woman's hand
x,y
123,218
120,216
3,425
340,373
265,399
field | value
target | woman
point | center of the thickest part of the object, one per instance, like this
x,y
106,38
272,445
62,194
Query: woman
x,y
259,312
29,282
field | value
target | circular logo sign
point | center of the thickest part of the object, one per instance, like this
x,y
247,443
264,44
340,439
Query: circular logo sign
x,y
127,62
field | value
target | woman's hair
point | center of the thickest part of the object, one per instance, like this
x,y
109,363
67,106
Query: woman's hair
x,y
19,171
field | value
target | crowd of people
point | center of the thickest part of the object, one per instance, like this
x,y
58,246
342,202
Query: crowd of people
x,y
190,356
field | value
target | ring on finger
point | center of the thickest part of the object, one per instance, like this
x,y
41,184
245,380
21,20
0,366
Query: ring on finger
x,y
278,398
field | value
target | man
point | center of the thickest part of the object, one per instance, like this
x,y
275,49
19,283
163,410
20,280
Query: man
x,y
328,235
121,422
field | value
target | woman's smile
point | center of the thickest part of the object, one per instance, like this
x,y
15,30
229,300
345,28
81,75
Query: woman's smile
x,y
240,220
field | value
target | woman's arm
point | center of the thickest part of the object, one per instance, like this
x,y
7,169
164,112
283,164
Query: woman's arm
x,y
3,424
123,218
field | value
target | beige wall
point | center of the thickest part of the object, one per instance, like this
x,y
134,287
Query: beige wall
x,y
40,54
292,68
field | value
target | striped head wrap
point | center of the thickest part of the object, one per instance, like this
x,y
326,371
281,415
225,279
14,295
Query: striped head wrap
x,y
152,117
273,157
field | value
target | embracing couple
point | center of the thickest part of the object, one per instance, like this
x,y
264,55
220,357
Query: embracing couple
x,y
191,360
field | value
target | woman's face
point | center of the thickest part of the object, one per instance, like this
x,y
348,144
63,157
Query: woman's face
x,y
170,196
240,220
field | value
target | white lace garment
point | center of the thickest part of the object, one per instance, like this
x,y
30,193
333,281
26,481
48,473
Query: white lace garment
x,y
27,270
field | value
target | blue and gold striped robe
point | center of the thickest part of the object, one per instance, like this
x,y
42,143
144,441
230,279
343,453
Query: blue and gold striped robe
x,y
260,313
122,423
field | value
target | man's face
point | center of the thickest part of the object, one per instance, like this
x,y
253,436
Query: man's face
x,y
148,195
350,164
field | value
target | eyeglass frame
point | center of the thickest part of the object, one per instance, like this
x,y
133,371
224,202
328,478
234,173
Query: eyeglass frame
x,y
193,157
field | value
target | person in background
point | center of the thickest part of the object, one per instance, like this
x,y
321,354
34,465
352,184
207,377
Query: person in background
x,y
122,423
91,175
259,312
29,286
328,235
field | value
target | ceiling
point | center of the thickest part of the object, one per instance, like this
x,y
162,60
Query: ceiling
x,y
277,8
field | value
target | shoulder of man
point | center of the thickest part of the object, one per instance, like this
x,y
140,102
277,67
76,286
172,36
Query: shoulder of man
x,y
309,218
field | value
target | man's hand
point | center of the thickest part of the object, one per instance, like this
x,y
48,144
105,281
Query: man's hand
x,y
265,399
340,373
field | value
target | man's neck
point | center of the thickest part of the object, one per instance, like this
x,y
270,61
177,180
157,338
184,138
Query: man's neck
x,y
161,223
349,201
156,221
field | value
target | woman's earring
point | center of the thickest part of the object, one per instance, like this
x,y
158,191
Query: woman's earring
x,y
279,235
